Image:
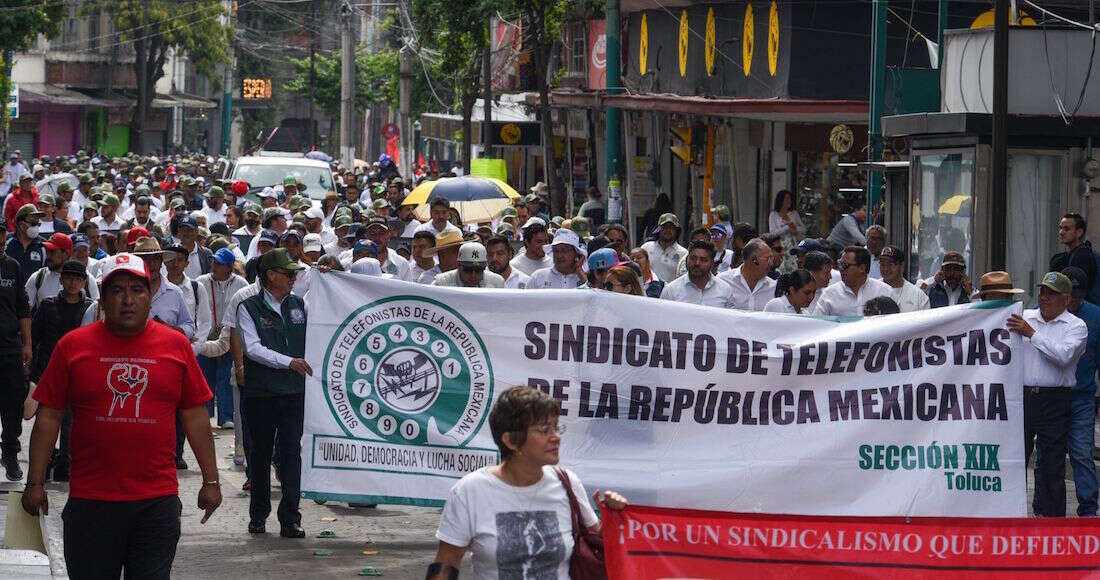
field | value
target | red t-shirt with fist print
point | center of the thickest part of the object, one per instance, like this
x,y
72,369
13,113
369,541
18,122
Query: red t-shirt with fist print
x,y
124,393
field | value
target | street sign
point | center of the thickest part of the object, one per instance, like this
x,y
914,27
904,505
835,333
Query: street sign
x,y
390,130
13,101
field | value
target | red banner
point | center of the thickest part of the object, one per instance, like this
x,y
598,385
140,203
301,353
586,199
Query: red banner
x,y
647,542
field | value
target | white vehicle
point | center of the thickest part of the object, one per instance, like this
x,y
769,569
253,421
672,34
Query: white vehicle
x,y
270,171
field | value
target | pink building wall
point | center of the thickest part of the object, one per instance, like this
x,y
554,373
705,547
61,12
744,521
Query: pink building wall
x,y
59,131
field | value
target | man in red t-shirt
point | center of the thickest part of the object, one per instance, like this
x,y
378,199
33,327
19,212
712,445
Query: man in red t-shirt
x,y
124,379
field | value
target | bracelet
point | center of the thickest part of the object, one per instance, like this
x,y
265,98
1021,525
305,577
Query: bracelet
x,y
436,567
218,483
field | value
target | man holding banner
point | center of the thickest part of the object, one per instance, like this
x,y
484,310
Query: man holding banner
x,y
1055,340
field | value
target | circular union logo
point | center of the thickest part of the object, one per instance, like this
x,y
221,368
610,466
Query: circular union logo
x,y
408,370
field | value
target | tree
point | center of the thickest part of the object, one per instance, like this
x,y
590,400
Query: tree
x,y
22,21
461,44
155,28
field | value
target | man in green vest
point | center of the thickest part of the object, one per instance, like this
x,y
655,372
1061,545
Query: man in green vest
x,y
273,330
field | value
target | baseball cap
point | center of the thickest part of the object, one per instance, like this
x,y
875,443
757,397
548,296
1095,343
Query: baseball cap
x,y
367,246
188,222
312,243
215,192
314,213
354,229
721,230
1077,278
340,221
46,199
134,234
269,236
225,257
806,246
291,234
59,241
1057,282
534,221
274,212
111,200
954,259
378,221
894,253
290,180
25,211
124,263
508,212
80,241
471,253
268,192
668,218
278,258
721,212
74,268
603,259
253,209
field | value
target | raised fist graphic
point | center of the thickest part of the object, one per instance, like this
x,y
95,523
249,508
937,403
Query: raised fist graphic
x,y
126,380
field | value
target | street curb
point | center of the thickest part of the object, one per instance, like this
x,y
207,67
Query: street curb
x,y
53,540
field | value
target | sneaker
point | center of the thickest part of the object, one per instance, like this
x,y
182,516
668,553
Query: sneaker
x,y
238,459
226,425
12,470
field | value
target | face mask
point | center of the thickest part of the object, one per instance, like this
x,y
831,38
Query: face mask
x,y
32,232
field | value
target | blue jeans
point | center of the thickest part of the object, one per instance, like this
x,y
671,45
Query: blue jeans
x,y
1082,435
216,371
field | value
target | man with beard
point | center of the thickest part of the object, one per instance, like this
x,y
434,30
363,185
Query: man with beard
x,y
699,286
405,215
441,216
499,252
46,282
665,252
533,258
251,225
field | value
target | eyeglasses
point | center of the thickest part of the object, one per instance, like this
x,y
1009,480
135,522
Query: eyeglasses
x,y
473,269
844,265
548,430
291,274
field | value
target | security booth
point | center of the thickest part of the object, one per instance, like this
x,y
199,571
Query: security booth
x,y
1052,168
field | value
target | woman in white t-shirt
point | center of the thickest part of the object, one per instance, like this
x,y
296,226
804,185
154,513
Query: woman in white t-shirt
x,y
794,293
515,517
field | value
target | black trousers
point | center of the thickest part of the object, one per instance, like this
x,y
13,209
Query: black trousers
x,y
275,423
104,539
13,392
1046,428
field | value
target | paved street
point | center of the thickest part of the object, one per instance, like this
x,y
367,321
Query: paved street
x,y
404,537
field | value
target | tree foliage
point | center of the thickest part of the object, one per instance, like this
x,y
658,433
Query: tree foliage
x,y
22,21
156,28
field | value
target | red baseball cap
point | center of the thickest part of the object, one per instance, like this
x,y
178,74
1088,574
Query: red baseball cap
x,y
59,241
136,233
239,187
124,262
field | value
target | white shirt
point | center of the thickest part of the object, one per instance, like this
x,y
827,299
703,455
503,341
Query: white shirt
x,y
253,348
428,227
415,271
50,285
909,297
213,216
104,226
528,265
664,261
1050,360
716,293
410,229
395,265
780,304
514,532
220,294
517,280
839,300
194,265
551,278
745,298
451,279
428,276
876,268
199,308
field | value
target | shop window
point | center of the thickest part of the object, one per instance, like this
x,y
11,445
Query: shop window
x,y
942,202
1035,185
827,186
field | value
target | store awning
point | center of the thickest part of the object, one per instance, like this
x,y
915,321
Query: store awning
x,y
786,110
47,94
177,99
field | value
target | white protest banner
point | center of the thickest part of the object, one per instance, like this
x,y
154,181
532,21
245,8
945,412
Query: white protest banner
x,y
672,404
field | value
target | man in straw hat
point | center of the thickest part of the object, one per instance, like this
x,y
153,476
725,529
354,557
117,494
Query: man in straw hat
x,y
446,250
1053,342
996,285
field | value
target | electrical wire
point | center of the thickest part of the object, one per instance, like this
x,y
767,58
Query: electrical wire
x,y
1067,117
1046,12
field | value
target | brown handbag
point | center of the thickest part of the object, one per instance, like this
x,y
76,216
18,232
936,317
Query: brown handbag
x,y
587,562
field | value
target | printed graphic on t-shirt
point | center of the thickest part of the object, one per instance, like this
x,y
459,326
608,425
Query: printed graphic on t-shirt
x,y
127,381
529,545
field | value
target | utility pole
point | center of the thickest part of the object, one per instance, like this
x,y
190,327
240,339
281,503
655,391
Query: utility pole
x,y
405,97
347,87
312,72
613,126
878,92
227,88
487,96
998,202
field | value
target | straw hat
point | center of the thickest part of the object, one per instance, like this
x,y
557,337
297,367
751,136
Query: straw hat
x,y
447,239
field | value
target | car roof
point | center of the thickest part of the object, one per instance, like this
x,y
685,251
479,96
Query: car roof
x,y
288,161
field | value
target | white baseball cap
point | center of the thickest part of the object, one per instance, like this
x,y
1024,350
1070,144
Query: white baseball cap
x,y
471,253
312,243
268,192
368,267
124,262
314,213
532,221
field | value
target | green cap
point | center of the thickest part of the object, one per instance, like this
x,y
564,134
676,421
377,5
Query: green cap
x,y
215,193
141,189
111,200
505,227
557,220
581,225
668,218
85,178
217,242
721,212
290,180
397,182
341,221
529,199
64,187
253,209
380,204
47,199
1056,281
203,232
91,204
508,212
187,180
25,211
177,203
278,258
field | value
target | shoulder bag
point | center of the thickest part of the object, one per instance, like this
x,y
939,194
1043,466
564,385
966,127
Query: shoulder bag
x,y
587,562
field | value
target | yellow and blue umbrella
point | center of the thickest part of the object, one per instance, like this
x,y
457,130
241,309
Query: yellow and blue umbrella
x,y
477,199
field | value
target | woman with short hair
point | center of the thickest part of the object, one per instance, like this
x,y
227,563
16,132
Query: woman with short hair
x,y
623,280
515,517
